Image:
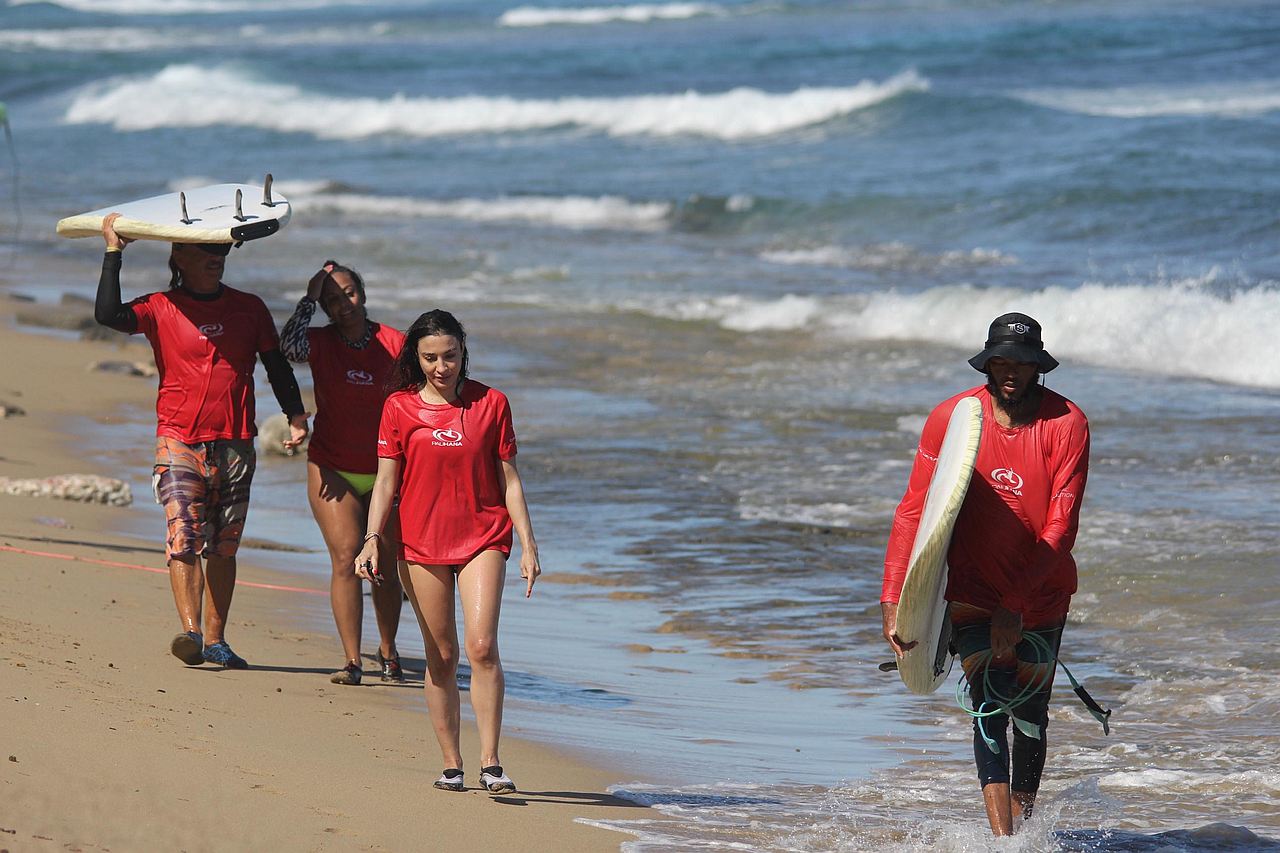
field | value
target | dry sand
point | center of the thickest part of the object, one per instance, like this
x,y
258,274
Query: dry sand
x,y
109,743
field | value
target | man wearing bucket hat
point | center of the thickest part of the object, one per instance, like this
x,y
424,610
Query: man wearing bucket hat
x,y
1011,574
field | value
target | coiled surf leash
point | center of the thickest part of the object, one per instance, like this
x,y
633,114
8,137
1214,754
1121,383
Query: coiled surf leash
x,y
1002,705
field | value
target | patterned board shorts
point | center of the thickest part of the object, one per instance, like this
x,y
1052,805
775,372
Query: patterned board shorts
x,y
204,489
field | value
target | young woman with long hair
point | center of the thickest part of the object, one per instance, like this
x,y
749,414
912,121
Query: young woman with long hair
x,y
447,447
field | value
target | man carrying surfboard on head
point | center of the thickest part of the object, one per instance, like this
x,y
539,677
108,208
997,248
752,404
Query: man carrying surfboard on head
x,y
1010,570
206,337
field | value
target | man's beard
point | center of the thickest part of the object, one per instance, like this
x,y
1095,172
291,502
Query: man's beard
x,y
1011,405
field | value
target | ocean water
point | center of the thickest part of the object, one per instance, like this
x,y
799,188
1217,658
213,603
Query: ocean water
x,y
724,257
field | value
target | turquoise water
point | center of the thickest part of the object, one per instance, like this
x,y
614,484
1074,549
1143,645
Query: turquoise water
x,y
724,257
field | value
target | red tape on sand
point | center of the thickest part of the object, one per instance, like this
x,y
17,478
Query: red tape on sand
x,y
151,569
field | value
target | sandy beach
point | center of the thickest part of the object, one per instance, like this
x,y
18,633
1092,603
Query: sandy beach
x,y
109,743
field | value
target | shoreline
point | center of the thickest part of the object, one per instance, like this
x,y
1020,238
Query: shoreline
x,y
110,742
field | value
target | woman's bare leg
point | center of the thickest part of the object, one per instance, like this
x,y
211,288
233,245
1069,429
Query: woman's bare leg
x,y
480,589
388,597
430,591
341,516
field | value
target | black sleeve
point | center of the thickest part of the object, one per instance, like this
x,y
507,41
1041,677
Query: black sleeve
x,y
283,383
108,310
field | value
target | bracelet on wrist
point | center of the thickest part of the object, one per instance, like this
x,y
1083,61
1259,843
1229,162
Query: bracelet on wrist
x,y
369,536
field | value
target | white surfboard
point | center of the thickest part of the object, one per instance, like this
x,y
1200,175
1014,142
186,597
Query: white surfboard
x,y
922,608
221,213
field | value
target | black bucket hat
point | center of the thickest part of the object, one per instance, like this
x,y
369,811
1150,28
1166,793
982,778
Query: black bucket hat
x,y
1017,337
222,249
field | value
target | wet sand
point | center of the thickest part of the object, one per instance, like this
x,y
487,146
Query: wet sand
x,y
108,742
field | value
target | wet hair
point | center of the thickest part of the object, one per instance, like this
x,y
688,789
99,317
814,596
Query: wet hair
x,y
356,279
175,275
408,372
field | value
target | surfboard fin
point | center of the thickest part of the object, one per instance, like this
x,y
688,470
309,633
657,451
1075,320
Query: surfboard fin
x,y
888,666
182,200
240,217
266,192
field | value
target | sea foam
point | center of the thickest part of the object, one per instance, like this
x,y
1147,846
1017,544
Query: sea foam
x,y
179,7
1186,327
736,312
640,13
1245,781
576,212
887,257
230,97
127,39
1223,100
96,39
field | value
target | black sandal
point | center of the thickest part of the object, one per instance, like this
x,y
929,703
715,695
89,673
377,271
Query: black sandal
x,y
391,670
349,674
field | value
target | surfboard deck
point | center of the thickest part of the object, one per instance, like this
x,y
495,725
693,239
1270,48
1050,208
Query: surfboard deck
x,y
922,608
219,213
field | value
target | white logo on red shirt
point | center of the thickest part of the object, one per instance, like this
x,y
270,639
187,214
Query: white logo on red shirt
x,y
210,330
359,377
447,438
1008,480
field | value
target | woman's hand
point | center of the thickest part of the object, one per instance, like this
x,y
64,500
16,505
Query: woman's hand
x,y
316,285
529,566
114,240
297,432
367,560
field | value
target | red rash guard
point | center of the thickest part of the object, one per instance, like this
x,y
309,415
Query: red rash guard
x,y
452,505
1012,541
205,353
350,388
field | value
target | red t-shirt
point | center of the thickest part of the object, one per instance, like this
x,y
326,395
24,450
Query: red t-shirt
x,y
451,504
350,387
205,353
1012,540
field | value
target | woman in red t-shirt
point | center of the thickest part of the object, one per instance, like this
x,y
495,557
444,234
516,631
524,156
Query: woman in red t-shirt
x,y
446,445
351,360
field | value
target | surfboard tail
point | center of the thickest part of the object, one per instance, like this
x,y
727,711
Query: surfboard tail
x,y
222,213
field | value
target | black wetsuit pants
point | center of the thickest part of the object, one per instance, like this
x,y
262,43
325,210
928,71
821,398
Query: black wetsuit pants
x,y
972,641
